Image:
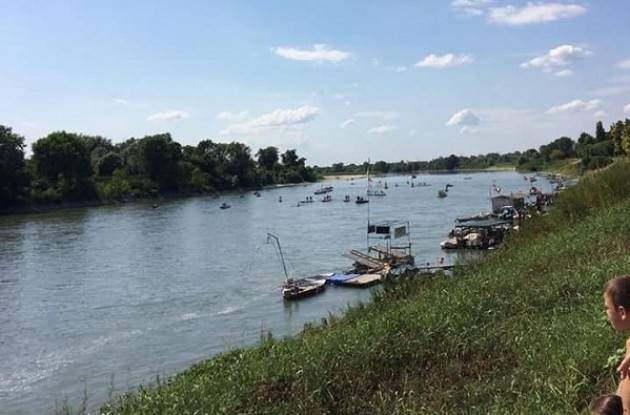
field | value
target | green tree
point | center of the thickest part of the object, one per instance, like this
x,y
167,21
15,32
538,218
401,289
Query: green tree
x,y
13,175
616,132
61,154
291,159
160,156
267,157
106,165
600,133
239,164
381,166
452,162
625,138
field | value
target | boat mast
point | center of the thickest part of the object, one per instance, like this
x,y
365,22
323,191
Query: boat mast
x,y
275,238
367,196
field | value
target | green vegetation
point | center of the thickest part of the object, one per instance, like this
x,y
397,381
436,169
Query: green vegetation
x,y
558,156
68,167
520,332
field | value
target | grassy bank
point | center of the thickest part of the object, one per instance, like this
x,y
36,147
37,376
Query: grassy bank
x,y
521,332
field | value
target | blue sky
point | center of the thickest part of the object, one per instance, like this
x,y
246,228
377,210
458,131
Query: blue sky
x,y
338,81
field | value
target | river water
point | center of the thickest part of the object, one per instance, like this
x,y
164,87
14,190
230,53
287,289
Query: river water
x,y
104,299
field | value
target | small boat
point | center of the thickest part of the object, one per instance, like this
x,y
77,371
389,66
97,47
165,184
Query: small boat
x,y
467,178
323,190
155,206
378,192
442,193
280,199
346,199
294,289
361,200
224,206
301,288
327,198
257,193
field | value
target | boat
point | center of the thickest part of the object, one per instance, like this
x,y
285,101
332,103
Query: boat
x,y
224,206
442,193
347,198
327,198
378,192
280,199
257,193
302,288
323,190
295,289
361,200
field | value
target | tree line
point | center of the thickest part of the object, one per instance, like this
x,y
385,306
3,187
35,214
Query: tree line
x,y
70,167
592,151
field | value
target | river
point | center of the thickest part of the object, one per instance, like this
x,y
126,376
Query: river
x,y
104,299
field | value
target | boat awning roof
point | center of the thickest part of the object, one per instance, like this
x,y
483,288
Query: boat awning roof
x,y
483,223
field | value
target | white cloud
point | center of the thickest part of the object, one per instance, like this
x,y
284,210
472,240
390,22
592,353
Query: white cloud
x,y
463,118
319,53
381,129
599,114
627,108
538,12
561,56
470,7
276,118
348,123
564,73
444,61
168,116
625,64
575,106
386,115
121,101
233,116
470,3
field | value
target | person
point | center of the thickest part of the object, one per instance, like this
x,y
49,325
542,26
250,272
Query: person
x,y
607,405
617,304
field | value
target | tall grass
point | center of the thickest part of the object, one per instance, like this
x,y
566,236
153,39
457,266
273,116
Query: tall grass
x,y
522,332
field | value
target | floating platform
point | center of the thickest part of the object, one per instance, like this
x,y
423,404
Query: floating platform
x,y
364,280
339,279
366,260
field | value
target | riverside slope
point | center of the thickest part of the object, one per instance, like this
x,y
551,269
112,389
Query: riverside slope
x,y
521,332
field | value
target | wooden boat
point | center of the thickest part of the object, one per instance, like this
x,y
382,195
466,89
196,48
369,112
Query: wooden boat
x,y
294,289
301,288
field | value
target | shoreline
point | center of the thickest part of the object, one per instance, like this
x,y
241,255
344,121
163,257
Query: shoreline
x,y
52,207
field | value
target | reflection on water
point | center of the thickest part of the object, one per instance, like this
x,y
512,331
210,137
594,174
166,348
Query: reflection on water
x,y
133,292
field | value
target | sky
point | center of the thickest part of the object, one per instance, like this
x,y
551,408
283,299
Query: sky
x,y
340,81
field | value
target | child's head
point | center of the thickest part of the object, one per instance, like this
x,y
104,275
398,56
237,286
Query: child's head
x,y
617,302
607,405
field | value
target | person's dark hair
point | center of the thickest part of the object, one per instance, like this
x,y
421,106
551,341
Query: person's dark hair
x,y
607,405
618,290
